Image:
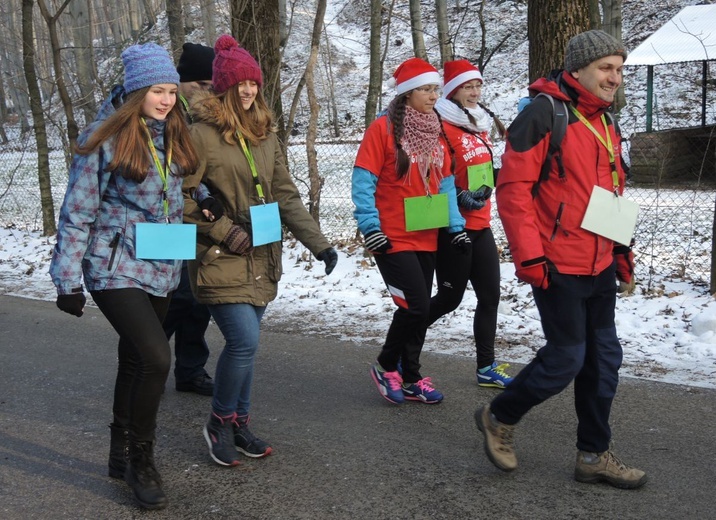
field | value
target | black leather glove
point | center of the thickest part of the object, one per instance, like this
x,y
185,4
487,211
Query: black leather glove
x,y
483,193
330,257
466,199
212,205
73,303
460,241
377,242
238,240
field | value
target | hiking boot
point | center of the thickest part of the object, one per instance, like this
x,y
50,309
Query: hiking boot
x,y
607,467
499,444
142,476
494,376
422,391
389,384
118,450
219,435
246,442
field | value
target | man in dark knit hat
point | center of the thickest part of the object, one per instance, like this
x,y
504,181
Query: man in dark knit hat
x,y
572,271
186,319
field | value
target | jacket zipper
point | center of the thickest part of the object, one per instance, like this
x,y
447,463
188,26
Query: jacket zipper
x,y
113,244
557,222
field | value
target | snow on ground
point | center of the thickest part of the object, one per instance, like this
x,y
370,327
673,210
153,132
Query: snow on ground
x,y
668,333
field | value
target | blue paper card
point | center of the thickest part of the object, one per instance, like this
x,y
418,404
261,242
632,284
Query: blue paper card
x,y
165,241
265,223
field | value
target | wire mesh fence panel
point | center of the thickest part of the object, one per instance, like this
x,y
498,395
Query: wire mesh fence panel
x,y
673,234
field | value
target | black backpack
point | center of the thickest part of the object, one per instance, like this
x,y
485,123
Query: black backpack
x,y
560,120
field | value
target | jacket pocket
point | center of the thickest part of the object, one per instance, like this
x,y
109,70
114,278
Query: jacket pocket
x,y
218,268
558,223
275,269
113,249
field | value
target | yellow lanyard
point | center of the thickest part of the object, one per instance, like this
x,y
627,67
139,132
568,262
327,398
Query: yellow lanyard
x,y
252,165
607,144
161,169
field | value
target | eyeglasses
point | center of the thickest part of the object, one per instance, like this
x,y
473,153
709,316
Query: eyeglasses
x,y
429,90
471,88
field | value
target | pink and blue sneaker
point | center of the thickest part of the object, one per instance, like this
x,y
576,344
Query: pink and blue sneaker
x,y
422,391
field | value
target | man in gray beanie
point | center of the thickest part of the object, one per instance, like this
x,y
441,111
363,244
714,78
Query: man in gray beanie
x,y
542,197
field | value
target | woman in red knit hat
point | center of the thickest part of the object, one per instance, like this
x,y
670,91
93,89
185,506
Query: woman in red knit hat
x,y
467,124
238,258
403,191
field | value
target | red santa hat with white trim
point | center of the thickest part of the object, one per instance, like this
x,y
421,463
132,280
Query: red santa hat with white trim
x,y
413,73
456,73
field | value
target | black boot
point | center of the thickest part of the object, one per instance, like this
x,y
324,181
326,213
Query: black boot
x,y
118,450
143,477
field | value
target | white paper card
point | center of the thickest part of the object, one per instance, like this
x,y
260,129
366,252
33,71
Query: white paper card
x,y
610,216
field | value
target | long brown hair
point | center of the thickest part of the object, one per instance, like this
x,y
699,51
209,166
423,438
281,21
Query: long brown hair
x,y
131,157
396,115
225,111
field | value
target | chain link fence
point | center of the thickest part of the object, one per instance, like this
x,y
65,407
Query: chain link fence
x,y
673,233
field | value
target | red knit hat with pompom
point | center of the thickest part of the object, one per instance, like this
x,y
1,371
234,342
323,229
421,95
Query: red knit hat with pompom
x,y
232,65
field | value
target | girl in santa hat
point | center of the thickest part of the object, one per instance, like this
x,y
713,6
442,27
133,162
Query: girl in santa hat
x,y
467,124
403,160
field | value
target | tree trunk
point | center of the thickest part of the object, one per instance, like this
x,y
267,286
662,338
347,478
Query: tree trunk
x,y
443,31
416,30
612,24
175,21
331,85
376,63
256,27
208,19
595,19
315,180
550,25
135,20
51,21
80,15
43,151
149,14
3,106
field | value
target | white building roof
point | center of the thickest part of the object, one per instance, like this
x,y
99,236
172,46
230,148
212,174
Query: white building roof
x,y
688,36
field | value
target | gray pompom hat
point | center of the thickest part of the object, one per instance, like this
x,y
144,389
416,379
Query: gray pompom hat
x,y
589,46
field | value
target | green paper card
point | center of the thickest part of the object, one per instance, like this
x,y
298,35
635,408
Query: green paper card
x,y
156,241
427,212
479,175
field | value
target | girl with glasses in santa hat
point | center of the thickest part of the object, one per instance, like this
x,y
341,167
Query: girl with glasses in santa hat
x,y
403,161
467,124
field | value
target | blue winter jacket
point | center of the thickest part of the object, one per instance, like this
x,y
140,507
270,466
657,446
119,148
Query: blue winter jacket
x,y
96,229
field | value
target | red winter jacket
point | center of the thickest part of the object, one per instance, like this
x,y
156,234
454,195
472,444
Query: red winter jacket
x,y
548,225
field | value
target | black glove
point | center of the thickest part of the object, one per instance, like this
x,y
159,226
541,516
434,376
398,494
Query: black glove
x,y
215,207
238,240
330,257
482,193
377,242
466,199
73,303
460,241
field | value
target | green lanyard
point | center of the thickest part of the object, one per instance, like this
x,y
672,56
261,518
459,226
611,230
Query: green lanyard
x,y
185,103
252,165
607,144
161,169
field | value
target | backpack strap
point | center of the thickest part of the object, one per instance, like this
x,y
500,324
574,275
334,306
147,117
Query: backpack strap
x,y
560,120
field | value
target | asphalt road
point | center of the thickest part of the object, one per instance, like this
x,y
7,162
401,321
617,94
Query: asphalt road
x,y
340,451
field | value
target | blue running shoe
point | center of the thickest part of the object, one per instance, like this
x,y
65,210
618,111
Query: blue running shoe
x,y
494,377
389,384
422,391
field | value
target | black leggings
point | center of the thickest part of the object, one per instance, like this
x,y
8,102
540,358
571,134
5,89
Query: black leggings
x,y
144,357
481,266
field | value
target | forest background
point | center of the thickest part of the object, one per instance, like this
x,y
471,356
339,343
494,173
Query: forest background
x,y
326,64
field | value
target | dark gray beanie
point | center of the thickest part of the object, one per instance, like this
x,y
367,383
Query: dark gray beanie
x,y
589,46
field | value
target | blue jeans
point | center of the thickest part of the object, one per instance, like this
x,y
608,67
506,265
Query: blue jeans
x,y
239,323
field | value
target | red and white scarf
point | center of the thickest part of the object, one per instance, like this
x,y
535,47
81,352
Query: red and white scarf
x,y
421,133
